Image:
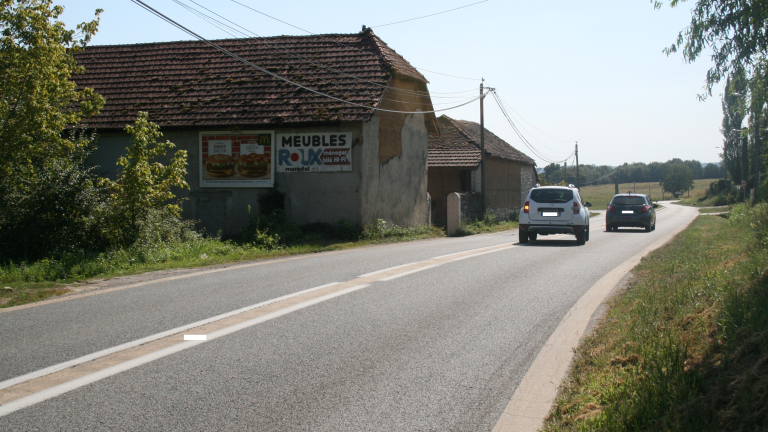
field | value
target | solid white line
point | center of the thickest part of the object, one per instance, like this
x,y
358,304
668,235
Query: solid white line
x,y
478,254
195,337
58,390
108,351
389,278
388,269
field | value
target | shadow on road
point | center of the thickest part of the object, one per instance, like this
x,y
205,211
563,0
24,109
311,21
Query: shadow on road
x,y
550,243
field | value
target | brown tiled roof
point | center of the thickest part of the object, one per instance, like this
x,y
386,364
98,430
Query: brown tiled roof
x,y
191,84
459,146
452,149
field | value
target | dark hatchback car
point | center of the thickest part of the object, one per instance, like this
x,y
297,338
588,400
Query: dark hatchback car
x,y
630,210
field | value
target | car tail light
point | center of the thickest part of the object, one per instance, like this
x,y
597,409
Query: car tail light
x,y
610,208
526,207
575,207
645,209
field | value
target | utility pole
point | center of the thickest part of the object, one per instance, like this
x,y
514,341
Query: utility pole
x,y
565,173
482,148
578,183
616,179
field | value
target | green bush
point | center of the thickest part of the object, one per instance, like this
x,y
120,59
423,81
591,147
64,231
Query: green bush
x,y
54,207
381,230
720,200
753,218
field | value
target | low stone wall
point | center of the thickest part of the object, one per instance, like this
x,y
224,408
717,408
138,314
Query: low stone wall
x,y
504,214
471,206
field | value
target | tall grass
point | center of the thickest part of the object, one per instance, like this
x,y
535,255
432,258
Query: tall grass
x,y
600,195
682,347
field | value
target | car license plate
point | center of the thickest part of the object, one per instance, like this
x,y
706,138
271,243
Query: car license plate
x,y
627,212
549,213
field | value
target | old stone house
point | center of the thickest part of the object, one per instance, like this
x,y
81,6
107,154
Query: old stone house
x,y
247,132
454,166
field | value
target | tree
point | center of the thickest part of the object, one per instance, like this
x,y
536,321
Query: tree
x,y
143,185
711,171
735,30
734,107
37,98
678,177
48,196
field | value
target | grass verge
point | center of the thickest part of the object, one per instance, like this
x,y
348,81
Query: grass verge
x,y
31,282
714,209
685,347
601,195
487,224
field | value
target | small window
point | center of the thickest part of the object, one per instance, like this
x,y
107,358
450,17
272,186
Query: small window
x,y
628,200
551,195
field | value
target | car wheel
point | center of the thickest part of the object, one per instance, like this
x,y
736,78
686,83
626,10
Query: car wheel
x,y
648,228
653,228
532,236
581,238
587,233
522,236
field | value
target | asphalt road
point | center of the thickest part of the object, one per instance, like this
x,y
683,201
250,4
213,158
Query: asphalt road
x,y
439,349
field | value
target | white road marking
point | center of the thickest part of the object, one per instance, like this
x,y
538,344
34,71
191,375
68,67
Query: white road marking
x,y
130,364
121,347
406,273
194,340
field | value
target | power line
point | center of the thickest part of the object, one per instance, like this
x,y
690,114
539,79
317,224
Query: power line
x,y
521,117
219,24
426,16
348,46
537,153
265,71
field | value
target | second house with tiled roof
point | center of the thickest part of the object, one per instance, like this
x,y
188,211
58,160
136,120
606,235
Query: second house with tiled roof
x,y
337,124
454,166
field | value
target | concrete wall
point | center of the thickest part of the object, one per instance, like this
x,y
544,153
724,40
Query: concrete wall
x,y
310,196
503,187
394,151
395,191
527,181
388,178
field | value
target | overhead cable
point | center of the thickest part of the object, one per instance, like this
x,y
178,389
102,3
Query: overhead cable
x,y
595,181
265,71
348,46
519,134
427,16
223,26
521,118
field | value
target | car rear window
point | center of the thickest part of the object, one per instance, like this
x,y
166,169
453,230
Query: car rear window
x,y
551,195
628,200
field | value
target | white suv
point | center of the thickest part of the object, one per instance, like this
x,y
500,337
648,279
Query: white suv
x,y
554,210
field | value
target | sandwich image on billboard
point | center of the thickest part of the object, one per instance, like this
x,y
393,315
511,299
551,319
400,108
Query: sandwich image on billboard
x,y
314,152
241,159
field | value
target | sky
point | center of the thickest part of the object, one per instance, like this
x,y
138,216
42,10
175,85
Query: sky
x,y
592,72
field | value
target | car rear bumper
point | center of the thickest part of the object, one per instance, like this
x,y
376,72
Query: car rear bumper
x,y
642,220
552,229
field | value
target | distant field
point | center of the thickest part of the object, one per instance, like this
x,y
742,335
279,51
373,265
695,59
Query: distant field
x,y
600,195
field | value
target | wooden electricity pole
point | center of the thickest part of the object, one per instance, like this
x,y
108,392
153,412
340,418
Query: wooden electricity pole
x,y
578,183
482,149
565,173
